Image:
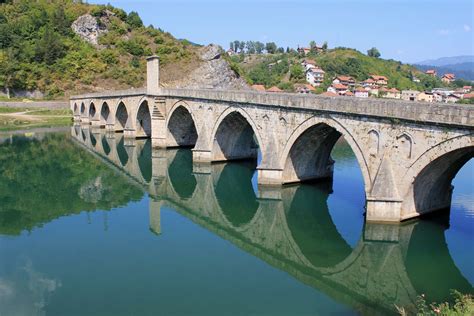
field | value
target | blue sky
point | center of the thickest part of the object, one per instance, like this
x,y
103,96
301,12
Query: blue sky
x,y
406,30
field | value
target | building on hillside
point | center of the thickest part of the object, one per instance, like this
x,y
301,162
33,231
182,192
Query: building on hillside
x,y
425,96
304,50
409,95
274,89
468,96
379,80
415,79
452,98
438,97
329,94
315,76
361,93
392,94
431,72
467,89
448,78
338,88
373,91
348,94
345,80
258,87
304,88
307,62
368,83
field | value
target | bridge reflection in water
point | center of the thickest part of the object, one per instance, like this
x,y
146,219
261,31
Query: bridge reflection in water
x,y
293,230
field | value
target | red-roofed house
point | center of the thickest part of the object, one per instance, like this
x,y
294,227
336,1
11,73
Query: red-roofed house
x,y
348,94
274,89
380,80
368,83
361,93
258,87
448,78
392,94
329,94
345,80
467,89
468,96
304,88
315,76
431,72
338,88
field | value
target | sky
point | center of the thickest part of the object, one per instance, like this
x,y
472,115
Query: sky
x,y
406,30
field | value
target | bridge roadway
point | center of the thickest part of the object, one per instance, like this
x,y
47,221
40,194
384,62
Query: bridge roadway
x,y
301,240
408,152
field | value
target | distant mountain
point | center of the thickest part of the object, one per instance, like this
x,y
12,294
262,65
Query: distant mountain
x,y
445,61
463,70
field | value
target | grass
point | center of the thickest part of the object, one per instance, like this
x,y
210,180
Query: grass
x,y
33,118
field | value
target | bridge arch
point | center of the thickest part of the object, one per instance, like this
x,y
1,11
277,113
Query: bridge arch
x,y
121,116
235,136
143,120
181,126
307,153
92,110
104,113
428,179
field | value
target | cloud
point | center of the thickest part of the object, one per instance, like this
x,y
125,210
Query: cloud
x,y
467,28
444,32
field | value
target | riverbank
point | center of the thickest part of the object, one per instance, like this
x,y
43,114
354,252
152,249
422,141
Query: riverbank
x,y
13,117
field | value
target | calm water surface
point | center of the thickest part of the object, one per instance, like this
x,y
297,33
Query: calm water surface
x,y
92,224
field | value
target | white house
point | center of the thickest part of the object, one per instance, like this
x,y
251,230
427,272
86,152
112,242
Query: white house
x,y
315,76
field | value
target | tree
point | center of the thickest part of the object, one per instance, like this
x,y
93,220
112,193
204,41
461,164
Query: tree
x,y
312,44
250,47
373,52
281,50
325,46
296,72
259,47
49,48
271,47
242,46
231,46
236,45
134,20
60,22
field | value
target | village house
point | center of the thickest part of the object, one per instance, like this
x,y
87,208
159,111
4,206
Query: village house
x,y
274,89
308,64
361,93
392,94
329,94
373,91
409,95
431,72
368,83
258,87
315,76
415,79
468,96
425,96
448,78
438,97
467,89
452,98
338,88
379,80
348,94
344,80
304,50
304,88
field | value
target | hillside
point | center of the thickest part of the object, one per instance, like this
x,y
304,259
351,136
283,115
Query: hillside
x,y
284,70
464,70
41,55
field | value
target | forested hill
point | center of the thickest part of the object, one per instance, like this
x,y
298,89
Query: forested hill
x,y
40,51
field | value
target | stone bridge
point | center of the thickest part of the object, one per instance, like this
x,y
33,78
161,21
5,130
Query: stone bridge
x,y
408,152
291,233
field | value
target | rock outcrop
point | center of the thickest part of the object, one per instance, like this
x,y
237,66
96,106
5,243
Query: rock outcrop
x,y
214,72
88,28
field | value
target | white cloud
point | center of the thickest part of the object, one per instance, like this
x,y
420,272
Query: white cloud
x,y
444,32
467,28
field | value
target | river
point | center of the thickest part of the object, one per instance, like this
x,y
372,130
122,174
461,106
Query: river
x,y
94,224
